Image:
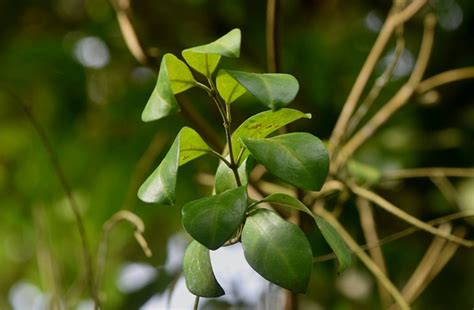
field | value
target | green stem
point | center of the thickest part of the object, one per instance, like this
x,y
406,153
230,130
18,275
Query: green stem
x,y
224,111
196,303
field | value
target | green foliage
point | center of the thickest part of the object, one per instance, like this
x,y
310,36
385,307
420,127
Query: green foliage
x,y
174,77
297,158
330,235
213,220
160,185
277,250
275,90
198,273
205,58
262,124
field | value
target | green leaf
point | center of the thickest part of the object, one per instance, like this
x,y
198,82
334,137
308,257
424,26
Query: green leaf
x,y
277,250
174,77
205,58
197,269
225,178
160,186
298,158
363,174
262,124
229,89
329,233
275,90
336,243
213,220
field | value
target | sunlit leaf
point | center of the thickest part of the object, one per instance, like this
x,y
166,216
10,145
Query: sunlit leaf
x,y
277,250
205,58
229,89
298,158
225,178
262,124
160,186
197,269
275,90
329,233
174,77
213,220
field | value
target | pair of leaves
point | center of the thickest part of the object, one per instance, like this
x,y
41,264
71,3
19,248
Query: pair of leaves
x,y
299,159
257,126
213,220
175,77
331,236
160,186
275,90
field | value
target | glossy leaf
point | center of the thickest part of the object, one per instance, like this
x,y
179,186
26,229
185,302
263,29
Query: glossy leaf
x,y
160,186
229,89
299,158
277,250
213,220
197,269
205,58
329,233
225,178
275,90
262,124
174,77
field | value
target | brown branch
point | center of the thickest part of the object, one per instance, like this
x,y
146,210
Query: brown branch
x,y
365,259
389,26
389,207
445,78
397,101
370,233
428,172
272,28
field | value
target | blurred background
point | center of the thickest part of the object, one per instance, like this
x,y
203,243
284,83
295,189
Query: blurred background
x,y
67,61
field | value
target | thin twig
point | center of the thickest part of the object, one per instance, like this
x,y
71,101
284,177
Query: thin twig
x,y
427,172
389,26
272,27
122,215
370,233
404,233
445,78
446,188
389,207
373,268
67,190
397,101
426,264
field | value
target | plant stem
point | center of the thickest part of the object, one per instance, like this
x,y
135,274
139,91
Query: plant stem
x,y
196,303
272,35
224,111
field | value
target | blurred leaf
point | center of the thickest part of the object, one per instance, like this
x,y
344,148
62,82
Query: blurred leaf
x,y
225,178
197,269
262,124
205,58
362,173
275,90
298,158
160,186
229,89
174,77
277,250
213,220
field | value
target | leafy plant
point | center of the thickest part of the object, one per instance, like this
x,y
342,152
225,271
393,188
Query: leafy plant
x,y
275,248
